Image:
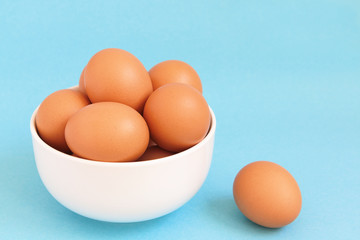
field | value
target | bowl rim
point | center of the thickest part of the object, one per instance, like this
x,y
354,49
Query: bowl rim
x,y
207,138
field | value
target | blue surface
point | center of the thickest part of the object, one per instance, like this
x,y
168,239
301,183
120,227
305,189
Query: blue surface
x,y
283,79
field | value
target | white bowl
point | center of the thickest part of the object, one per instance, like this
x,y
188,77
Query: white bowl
x,y
127,191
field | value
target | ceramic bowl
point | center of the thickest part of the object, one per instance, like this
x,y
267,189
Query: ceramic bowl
x,y
123,191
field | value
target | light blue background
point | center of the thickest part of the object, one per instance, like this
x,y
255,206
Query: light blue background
x,y
283,78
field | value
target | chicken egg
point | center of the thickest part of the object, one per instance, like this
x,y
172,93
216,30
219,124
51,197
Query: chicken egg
x,y
178,116
154,152
267,194
115,75
107,131
172,71
53,114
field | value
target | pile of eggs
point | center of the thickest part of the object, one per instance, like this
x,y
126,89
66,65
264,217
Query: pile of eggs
x,y
121,112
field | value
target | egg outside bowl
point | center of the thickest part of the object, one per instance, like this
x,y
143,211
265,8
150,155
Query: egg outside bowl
x,y
123,191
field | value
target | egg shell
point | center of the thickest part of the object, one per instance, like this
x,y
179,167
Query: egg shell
x,y
172,71
116,75
267,194
154,152
178,116
53,114
107,131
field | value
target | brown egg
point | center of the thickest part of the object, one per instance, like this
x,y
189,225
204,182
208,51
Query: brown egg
x,y
107,131
172,71
267,194
154,152
115,75
178,116
53,114
82,83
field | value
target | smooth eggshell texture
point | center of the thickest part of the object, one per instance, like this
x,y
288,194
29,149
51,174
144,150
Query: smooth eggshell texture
x,y
107,131
82,83
178,116
115,75
267,194
53,114
154,152
172,71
